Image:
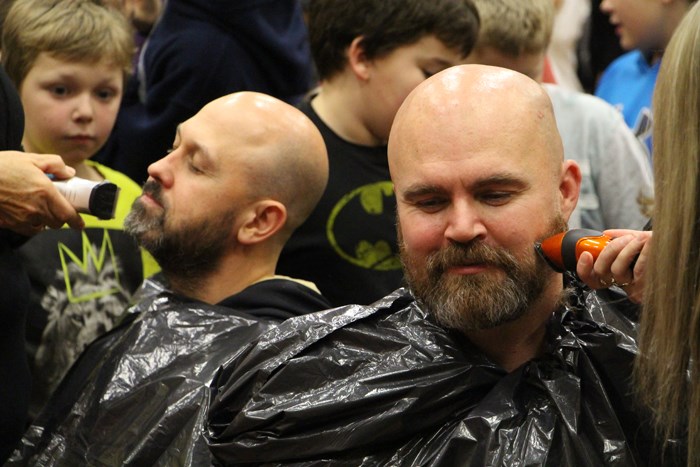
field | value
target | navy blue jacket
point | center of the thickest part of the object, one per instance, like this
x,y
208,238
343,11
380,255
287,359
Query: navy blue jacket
x,y
198,51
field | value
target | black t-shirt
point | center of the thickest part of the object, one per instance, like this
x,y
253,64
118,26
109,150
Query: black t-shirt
x,y
348,246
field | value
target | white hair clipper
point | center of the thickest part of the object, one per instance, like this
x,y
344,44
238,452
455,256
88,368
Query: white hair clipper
x,y
98,199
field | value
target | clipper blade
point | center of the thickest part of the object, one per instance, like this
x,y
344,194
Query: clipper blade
x,y
103,200
98,199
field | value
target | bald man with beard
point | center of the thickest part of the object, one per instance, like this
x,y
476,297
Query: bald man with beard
x,y
242,174
489,357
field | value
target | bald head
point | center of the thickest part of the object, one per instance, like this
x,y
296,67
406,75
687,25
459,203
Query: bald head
x,y
277,150
478,171
477,107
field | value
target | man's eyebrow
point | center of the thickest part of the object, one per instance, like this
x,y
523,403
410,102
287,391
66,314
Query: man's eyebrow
x,y
205,159
501,180
422,189
418,190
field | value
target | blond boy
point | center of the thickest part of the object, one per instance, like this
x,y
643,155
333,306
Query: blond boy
x,y
68,60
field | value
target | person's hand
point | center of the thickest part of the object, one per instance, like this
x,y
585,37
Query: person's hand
x,y
28,200
616,264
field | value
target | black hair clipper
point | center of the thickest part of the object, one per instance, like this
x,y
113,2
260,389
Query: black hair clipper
x,y
562,251
98,199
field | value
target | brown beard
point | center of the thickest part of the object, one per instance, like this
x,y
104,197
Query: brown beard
x,y
186,254
477,301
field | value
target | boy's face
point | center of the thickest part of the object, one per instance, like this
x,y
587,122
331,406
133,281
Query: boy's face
x,y
69,107
638,23
394,76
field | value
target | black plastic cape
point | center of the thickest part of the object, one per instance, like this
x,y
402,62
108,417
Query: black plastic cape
x,y
139,394
385,385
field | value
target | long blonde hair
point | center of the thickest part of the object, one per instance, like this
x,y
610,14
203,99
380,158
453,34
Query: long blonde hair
x,y
668,370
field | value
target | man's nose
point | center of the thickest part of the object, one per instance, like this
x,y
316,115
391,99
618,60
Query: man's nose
x,y
464,223
162,171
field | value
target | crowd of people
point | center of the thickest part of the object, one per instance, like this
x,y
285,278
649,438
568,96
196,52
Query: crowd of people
x,y
331,257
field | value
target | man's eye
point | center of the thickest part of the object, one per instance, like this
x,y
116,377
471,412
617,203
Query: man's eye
x,y
195,169
496,198
430,204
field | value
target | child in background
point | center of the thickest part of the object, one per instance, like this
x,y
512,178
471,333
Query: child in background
x,y
197,51
68,60
644,27
369,55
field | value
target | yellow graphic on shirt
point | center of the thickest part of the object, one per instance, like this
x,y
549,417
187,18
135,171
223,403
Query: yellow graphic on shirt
x,y
369,254
89,258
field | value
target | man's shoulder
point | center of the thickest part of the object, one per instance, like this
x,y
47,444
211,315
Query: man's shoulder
x,y
375,381
395,318
591,316
277,298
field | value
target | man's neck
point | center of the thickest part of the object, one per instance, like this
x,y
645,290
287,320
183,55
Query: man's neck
x,y
231,277
513,344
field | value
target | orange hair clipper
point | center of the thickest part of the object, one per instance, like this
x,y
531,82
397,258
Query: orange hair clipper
x,y
563,250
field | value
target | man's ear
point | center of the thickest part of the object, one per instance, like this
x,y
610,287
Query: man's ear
x,y
357,59
261,221
569,187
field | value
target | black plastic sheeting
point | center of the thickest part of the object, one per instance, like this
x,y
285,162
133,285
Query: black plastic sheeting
x,y
144,402
385,385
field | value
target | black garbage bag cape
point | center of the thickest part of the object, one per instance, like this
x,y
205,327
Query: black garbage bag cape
x,y
138,395
385,385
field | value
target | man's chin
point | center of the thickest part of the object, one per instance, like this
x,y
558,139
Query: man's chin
x,y
145,233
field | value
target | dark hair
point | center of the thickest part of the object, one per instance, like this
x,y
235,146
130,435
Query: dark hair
x,y
386,25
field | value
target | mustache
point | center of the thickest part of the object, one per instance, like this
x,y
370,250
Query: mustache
x,y
458,254
154,190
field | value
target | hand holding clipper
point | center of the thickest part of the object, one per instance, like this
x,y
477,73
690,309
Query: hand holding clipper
x,y
621,264
563,250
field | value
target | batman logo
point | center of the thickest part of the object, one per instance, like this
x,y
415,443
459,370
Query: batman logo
x,y
361,227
